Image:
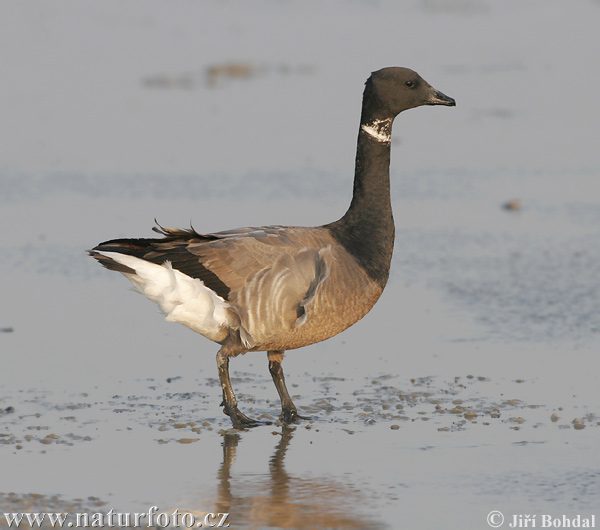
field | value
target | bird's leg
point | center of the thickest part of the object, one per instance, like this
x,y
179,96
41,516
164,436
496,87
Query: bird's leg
x,y
229,402
289,414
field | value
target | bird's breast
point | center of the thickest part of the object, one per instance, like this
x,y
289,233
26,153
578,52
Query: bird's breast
x,y
345,297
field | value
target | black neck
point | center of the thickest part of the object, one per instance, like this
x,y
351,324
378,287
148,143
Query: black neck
x,y
367,228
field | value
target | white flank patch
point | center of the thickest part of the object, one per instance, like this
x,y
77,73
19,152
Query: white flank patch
x,y
379,130
181,298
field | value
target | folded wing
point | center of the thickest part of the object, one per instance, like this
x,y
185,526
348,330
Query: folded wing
x,y
257,283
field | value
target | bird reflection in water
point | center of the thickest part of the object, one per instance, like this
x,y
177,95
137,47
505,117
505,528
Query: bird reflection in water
x,y
277,499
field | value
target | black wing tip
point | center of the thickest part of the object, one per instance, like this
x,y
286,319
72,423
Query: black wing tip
x,y
159,229
109,263
176,233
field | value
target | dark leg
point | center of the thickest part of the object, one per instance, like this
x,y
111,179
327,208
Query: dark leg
x,y
289,413
229,402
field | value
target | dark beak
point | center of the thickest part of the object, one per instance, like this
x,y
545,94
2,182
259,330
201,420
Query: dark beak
x,y
437,98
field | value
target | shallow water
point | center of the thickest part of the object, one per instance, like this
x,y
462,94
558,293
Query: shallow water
x,y
472,385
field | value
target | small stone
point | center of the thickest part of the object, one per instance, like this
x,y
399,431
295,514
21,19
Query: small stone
x,y
512,205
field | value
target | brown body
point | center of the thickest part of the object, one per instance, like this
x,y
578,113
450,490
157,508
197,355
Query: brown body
x,y
312,290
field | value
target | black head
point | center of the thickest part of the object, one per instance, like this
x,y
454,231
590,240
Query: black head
x,y
389,91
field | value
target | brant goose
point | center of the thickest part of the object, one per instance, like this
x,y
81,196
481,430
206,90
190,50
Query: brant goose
x,y
276,288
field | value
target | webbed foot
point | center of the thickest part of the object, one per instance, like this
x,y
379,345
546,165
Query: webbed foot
x,y
239,419
290,415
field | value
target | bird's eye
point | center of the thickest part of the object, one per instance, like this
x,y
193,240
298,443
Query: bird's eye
x,y
409,84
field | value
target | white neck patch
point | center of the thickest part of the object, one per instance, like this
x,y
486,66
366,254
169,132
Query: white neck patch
x,y
379,129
